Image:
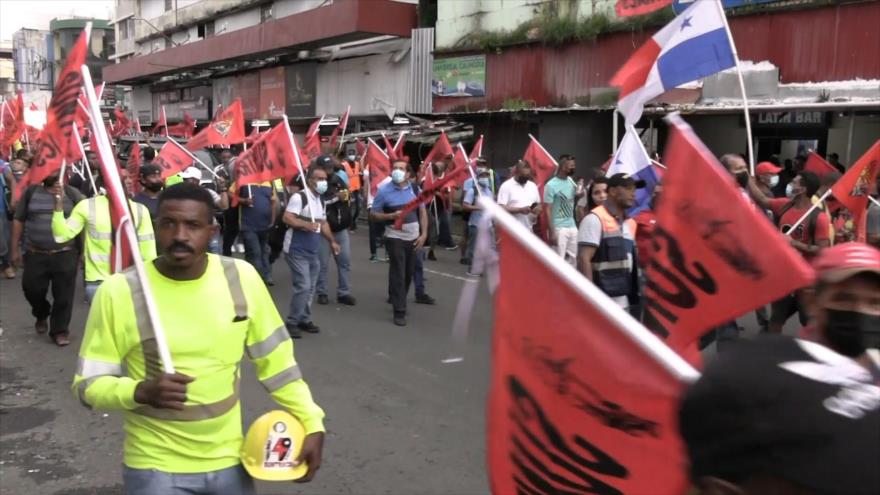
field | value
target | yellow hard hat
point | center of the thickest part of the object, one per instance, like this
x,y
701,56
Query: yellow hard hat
x,y
271,445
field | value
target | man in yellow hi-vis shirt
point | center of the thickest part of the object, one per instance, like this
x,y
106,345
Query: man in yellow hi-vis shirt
x,y
95,213
183,430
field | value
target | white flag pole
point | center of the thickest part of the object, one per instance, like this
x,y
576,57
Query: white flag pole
x,y
742,88
341,138
302,174
471,170
871,198
112,177
544,150
194,157
817,204
82,153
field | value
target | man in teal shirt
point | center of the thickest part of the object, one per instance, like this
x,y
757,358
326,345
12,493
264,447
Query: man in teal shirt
x,y
560,195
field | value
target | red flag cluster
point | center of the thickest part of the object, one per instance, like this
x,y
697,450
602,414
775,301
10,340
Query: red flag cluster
x,y
225,130
13,121
184,128
272,156
854,187
378,164
428,193
172,158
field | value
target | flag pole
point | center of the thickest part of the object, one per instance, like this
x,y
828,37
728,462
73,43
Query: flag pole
x,y
342,138
82,153
113,177
194,157
544,150
817,204
61,175
302,174
471,170
742,88
871,198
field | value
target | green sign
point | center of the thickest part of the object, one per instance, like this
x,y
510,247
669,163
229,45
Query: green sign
x,y
459,76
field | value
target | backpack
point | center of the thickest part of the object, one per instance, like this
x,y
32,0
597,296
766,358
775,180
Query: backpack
x,y
338,212
811,220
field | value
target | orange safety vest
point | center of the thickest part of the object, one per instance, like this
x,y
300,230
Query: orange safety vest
x,y
612,266
354,175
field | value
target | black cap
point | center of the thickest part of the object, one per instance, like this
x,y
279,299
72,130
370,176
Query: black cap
x,y
150,169
785,408
324,161
625,180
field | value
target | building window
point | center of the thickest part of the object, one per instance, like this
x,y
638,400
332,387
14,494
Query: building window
x,y
266,12
206,30
125,29
169,4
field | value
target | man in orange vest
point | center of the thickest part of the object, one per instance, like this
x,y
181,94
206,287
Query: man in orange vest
x,y
606,243
353,170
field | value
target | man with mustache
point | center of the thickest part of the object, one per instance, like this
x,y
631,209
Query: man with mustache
x,y
184,429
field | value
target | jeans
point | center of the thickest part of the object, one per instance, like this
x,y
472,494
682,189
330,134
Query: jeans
x,y
355,208
230,230
256,251
400,272
215,246
419,272
230,481
304,271
59,270
343,265
444,238
376,230
91,289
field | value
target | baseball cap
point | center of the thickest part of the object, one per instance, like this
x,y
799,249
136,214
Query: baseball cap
x,y
840,262
625,180
767,168
784,408
482,171
150,169
324,161
191,173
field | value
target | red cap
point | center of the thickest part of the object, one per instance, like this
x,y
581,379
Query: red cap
x,y
838,263
767,168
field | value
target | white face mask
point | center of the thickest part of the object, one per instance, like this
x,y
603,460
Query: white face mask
x,y
398,176
774,181
321,186
791,192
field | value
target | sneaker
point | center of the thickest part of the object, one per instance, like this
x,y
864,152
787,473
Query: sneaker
x,y
9,273
425,299
41,326
451,248
375,259
293,331
323,299
400,321
309,327
387,258
61,339
347,299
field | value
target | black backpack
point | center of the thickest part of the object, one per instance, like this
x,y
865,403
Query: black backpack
x,y
338,212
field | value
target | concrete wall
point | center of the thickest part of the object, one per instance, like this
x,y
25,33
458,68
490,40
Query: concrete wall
x,y
142,104
236,21
865,133
358,81
284,8
721,133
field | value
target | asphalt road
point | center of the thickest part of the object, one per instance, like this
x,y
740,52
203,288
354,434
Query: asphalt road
x,y
399,420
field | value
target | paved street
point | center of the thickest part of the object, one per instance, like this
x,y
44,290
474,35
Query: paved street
x,y
399,421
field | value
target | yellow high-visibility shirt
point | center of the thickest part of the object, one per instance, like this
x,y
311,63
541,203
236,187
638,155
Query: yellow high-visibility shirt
x,y
209,323
95,213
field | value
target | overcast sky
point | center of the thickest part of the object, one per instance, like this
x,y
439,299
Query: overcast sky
x,y
36,14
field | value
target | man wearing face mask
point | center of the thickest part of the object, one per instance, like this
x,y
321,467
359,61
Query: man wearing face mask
x,y
305,217
809,238
482,188
768,178
402,245
151,185
560,194
519,195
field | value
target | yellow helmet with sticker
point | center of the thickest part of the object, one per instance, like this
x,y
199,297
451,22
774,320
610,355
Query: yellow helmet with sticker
x,y
271,446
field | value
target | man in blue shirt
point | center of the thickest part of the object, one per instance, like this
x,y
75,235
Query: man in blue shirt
x,y
257,206
401,244
472,193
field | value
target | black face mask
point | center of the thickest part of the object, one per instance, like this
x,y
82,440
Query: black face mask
x,y
742,179
522,179
153,186
851,332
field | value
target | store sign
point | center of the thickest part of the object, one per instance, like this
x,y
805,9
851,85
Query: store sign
x,y
224,91
272,93
248,89
302,82
791,119
459,76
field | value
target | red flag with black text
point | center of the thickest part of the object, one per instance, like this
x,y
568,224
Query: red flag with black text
x,y
854,187
225,130
714,255
589,402
56,143
271,157
379,165
173,159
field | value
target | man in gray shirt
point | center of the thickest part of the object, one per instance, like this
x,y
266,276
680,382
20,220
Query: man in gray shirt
x,y
46,262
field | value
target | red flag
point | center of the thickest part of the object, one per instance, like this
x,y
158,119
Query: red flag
x,y
715,257
389,148
312,148
543,165
271,157
184,128
134,166
13,121
360,148
477,150
343,125
818,165
460,161
853,188
379,165
162,123
440,151
591,404
225,130
56,143
122,125
398,146
314,128
627,8
253,136
173,159
427,193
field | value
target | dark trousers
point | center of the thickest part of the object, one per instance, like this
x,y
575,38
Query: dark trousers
x,y
400,272
230,230
444,239
376,230
256,251
355,208
58,270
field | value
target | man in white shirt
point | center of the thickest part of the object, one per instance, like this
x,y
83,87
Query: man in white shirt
x,y
519,195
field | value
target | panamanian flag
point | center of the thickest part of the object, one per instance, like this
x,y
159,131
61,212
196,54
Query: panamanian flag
x,y
694,45
632,159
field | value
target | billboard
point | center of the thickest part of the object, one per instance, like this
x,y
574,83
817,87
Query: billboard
x,y
248,86
459,76
224,91
302,82
272,93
